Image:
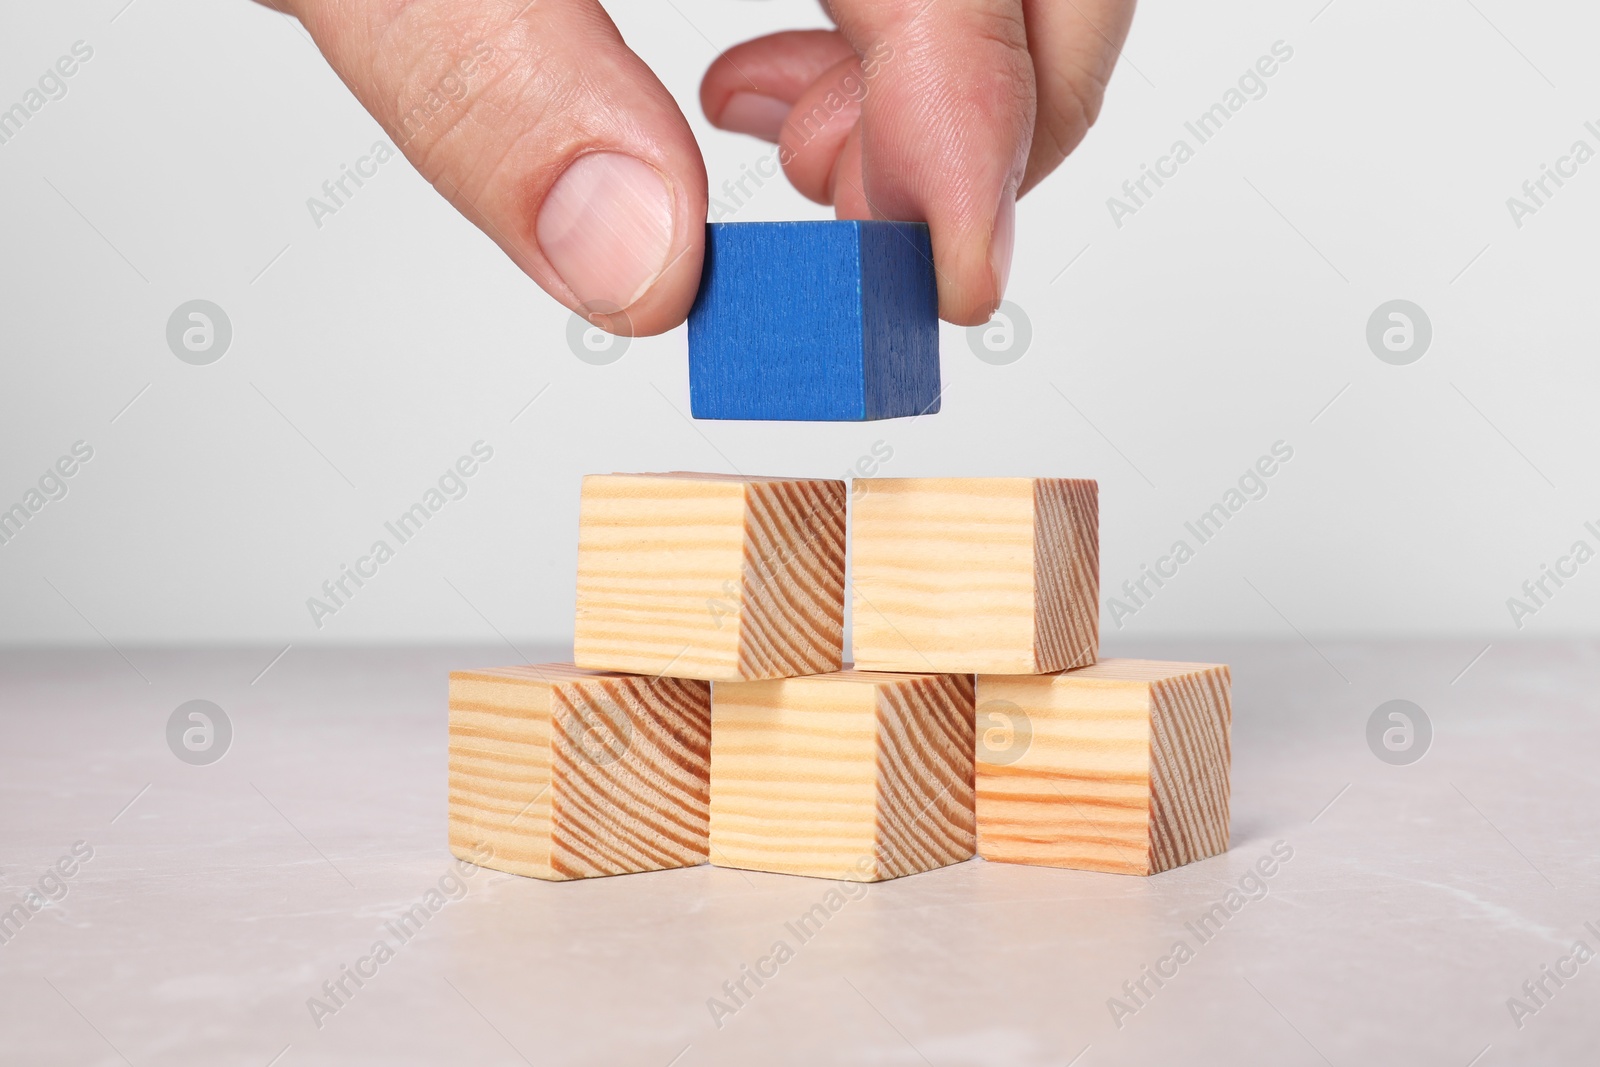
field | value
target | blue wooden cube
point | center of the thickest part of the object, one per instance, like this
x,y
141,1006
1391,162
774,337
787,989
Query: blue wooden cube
x,y
815,321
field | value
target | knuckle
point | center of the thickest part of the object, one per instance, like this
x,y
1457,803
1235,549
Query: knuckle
x,y
1065,121
1070,100
454,76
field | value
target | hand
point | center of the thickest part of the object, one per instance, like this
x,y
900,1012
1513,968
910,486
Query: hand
x,y
944,111
538,123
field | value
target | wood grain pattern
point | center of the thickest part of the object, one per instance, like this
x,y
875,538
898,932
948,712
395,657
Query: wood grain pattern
x,y
1120,767
975,575
1066,573
558,772
858,775
710,576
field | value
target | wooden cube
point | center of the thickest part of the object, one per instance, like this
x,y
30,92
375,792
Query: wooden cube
x,y
856,776
711,576
558,772
1119,767
975,575
827,320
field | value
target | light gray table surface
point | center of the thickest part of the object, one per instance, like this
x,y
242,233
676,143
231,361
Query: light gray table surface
x,y
218,899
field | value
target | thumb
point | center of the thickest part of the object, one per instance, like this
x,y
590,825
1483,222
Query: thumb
x,y
945,132
538,123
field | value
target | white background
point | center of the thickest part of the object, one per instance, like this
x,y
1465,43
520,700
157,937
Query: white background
x,y
1226,315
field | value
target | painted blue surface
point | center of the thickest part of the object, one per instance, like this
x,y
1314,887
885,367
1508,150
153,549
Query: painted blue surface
x,y
815,321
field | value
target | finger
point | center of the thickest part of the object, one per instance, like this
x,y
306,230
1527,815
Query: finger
x,y
816,129
540,125
946,131
751,87
1074,45
849,202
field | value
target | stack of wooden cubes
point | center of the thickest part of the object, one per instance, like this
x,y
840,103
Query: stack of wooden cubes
x,y
709,715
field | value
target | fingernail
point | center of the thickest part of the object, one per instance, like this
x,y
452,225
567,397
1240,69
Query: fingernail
x,y
1002,242
759,116
606,227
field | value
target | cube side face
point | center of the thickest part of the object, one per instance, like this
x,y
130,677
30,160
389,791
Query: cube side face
x,y
659,568
1077,793
793,777
1191,763
791,602
943,577
776,329
632,765
900,320
925,774
500,773
1066,561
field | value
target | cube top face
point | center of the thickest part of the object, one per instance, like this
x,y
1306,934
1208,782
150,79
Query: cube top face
x,y
714,577
559,773
979,575
1139,672
531,674
1119,767
815,321
852,776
